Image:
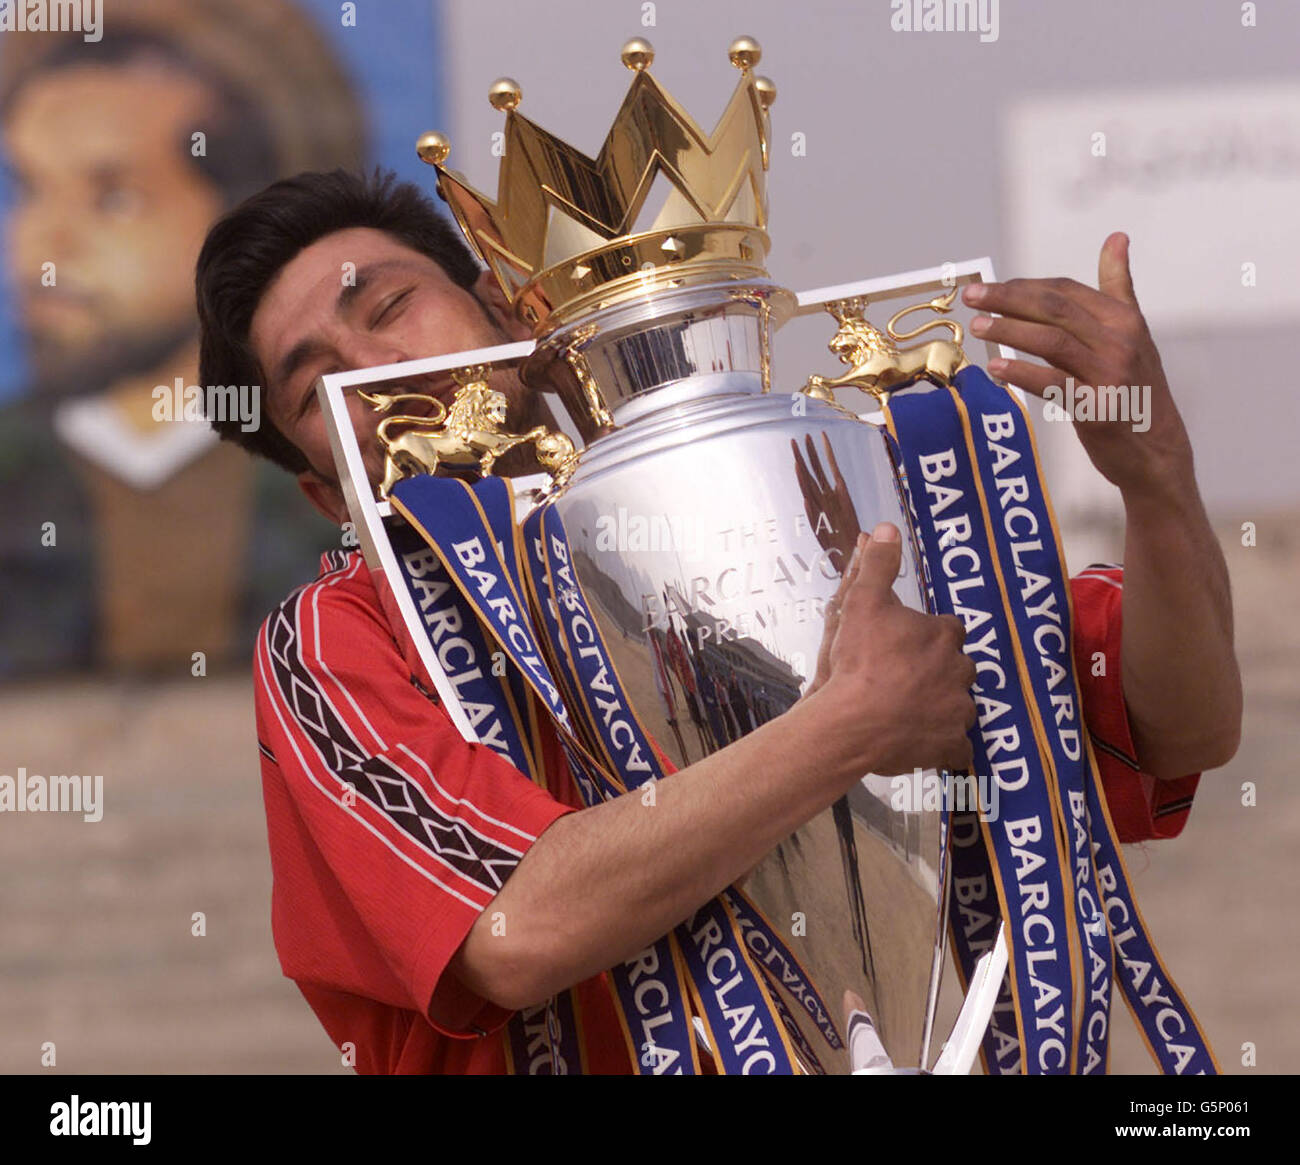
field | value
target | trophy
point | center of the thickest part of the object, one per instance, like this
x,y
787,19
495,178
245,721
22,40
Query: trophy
x,y
695,519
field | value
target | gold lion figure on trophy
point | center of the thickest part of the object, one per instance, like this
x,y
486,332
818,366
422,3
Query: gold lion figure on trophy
x,y
876,363
470,432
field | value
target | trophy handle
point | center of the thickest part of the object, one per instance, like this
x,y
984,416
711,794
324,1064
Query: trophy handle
x,y
877,365
471,433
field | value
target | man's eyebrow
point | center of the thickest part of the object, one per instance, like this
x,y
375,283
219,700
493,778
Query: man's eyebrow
x,y
349,294
297,356
304,350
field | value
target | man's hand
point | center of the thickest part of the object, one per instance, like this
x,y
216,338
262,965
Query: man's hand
x,y
1098,337
1181,680
900,675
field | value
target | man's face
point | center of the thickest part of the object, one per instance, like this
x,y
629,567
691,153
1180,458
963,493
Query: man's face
x,y
109,194
354,299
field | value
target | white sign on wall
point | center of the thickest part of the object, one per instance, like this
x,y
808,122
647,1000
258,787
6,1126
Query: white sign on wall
x,y
1205,181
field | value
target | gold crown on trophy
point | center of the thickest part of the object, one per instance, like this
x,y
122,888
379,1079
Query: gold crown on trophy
x,y
663,204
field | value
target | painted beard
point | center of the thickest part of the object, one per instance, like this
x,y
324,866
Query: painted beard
x,y
59,373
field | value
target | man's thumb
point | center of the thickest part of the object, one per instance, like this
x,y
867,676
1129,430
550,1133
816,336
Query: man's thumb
x,y
1113,275
880,560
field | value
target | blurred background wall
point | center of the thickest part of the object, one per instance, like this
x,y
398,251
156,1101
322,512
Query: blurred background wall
x,y
893,150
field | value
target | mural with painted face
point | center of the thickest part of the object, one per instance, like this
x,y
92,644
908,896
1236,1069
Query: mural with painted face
x,y
121,153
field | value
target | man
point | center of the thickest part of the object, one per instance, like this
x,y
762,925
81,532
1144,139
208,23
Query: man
x,y
409,958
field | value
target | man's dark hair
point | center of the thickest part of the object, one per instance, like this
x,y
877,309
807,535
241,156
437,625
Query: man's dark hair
x,y
247,248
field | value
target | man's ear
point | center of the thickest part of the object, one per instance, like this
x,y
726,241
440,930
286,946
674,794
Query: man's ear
x,y
324,495
489,293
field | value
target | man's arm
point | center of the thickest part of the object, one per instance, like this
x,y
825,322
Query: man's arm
x,y
601,884
1181,680
1182,685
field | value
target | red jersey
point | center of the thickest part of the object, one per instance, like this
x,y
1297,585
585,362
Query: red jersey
x,y
389,833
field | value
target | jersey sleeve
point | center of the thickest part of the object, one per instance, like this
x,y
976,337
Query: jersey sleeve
x,y
389,833
1142,807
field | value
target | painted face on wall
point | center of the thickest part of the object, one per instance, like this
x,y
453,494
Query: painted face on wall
x,y
109,194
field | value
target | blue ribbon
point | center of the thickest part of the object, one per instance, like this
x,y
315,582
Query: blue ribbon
x,y
973,910
1040,608
1028,542
498,507
462,651
778,962
593,780
1023,840
609,714
543,1040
